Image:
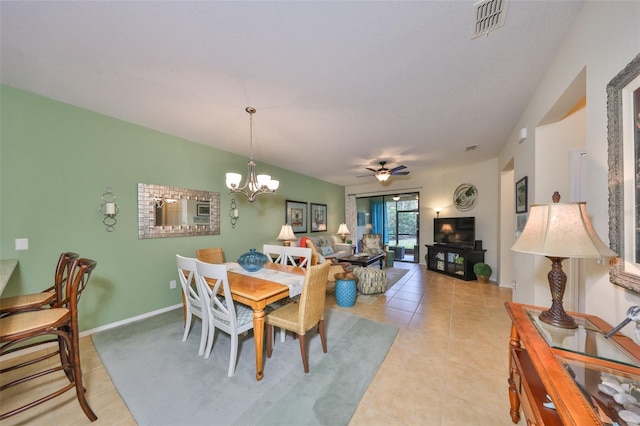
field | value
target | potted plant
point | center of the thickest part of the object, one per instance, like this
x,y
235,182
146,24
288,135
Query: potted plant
x,y
482,271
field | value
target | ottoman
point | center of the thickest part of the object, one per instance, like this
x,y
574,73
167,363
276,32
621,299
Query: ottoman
x,y
371,280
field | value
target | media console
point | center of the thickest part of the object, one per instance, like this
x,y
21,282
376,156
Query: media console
x,y
456,261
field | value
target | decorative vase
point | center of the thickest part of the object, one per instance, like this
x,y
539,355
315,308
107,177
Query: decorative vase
x,y
252,261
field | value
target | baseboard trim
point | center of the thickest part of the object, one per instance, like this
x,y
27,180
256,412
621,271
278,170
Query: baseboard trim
x,y
130,320
96,330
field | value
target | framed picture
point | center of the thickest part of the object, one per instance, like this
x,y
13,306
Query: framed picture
x,y
521,220
521,196
203,209
296,215
318,217
623,115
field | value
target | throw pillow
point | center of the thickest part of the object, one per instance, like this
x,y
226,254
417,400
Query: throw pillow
x,y
326,250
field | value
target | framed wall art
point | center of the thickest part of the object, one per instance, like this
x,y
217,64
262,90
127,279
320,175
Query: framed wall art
x,y
522,192
296,215
465,197
318,217
623,115
203,210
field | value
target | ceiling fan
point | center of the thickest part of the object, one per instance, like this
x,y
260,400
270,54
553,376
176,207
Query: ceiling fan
x,y
383,174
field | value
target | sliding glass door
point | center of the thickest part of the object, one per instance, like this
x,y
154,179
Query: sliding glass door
x,y
396,218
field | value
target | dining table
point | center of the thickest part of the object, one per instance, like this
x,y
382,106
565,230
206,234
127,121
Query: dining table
x,y
259,289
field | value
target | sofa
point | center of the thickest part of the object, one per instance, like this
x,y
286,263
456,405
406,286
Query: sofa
x,y
328,247
336,265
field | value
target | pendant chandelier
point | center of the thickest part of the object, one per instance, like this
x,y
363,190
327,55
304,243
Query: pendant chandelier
x,y
254,185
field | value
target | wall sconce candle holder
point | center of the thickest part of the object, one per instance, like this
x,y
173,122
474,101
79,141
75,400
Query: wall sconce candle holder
x,y
109,209
233,213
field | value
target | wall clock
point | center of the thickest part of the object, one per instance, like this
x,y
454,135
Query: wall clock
x,y
465,197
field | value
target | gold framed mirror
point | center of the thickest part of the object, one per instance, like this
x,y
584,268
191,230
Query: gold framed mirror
x,y
169,211
624,174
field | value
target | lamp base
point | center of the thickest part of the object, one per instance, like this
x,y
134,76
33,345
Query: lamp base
x,y
558,318
556,315
286,243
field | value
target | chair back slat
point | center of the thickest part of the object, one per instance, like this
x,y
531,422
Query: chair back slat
x,y
214,289
76,283
275,254
210,255
298,256
312,299
187,272
314,253
63,270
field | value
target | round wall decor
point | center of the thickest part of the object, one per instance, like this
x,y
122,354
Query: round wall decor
x,y
465,197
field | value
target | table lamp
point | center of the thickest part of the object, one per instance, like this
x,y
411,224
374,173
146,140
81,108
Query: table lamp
x,y
343,231
560,231
286,235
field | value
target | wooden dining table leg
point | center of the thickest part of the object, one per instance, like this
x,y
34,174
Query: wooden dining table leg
x,y
258,338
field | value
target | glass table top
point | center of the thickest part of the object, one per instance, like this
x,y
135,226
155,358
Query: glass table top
x,y
587,339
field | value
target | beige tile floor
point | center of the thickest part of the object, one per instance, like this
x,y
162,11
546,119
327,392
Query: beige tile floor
x,y
447,366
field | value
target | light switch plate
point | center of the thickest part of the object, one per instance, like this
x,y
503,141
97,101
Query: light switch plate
x,y
22,244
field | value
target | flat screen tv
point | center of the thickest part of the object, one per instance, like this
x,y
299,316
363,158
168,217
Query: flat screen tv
x,y
455,231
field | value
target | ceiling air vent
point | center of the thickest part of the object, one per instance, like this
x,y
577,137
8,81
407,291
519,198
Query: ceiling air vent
x,y
488,15
471,148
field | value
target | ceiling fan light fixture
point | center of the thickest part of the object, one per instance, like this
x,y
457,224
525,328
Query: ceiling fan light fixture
x,y
383,177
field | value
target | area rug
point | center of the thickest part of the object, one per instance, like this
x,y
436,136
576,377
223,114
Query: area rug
x,y
163,381
393,276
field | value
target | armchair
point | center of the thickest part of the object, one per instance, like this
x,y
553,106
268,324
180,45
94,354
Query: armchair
x,y
373,244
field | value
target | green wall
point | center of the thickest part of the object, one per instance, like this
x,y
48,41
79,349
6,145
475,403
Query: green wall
x,y
57,159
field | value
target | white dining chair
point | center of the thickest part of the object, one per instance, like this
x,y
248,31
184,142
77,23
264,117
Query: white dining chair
x,y
276,254
298,256
223,313
192,299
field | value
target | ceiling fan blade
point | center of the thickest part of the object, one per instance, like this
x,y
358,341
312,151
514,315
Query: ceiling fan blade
x,y
395,169
400,173
373,170
363,176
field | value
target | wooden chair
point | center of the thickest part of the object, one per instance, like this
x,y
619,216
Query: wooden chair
x,y
192,299
222,312
276,254
51,296
298,256
19,330
210,255
303,316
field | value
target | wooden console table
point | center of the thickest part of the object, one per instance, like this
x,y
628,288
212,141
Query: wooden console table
x,y
568,366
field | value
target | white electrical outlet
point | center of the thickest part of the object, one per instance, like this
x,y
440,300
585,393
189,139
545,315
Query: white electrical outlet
x,y
22,244
172,284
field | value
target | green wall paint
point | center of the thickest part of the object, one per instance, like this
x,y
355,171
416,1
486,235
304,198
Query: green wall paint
x,y
57,159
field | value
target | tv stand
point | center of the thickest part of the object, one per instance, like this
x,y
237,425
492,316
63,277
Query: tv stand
x,y
456,261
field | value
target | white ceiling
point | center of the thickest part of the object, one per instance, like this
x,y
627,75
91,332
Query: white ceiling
x,y
337,86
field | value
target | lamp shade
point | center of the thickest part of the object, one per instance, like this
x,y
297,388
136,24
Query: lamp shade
x,y
343,230
286,233
561,230
446,228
